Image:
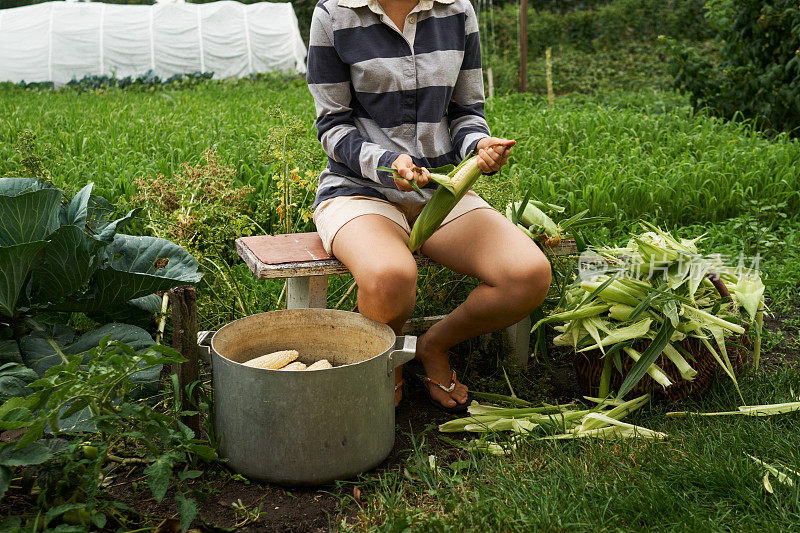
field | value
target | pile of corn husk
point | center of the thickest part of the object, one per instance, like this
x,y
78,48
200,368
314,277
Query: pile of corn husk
x,y
662,289
547,422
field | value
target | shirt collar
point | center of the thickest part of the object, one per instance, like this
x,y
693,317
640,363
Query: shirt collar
x,y
374,5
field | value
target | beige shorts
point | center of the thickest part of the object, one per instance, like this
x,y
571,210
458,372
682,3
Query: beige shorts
x,y
332,214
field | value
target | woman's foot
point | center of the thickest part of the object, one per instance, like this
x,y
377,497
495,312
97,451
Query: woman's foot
x,y
398,385
437,368
398,392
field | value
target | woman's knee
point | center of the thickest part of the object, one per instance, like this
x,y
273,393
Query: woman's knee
x,y
392,288
527,283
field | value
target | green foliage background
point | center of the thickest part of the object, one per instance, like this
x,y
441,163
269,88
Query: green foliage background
x,y
756,74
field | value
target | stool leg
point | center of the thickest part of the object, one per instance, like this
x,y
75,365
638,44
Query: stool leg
x,y
518,339
307,292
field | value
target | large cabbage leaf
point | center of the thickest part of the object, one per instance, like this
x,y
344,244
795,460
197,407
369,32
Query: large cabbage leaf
x,y
135,267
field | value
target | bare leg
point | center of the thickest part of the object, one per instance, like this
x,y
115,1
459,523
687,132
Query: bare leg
x,y
375,251
515,277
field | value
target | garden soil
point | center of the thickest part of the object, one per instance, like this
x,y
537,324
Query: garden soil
x,y
290,509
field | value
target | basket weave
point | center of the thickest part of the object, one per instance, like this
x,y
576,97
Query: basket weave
x,y
589,367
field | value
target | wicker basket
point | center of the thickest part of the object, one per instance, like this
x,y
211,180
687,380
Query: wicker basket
x,y
589,366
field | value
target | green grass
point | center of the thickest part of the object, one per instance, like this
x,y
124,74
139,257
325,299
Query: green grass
x,y
699,479
112,136
651,160
625,155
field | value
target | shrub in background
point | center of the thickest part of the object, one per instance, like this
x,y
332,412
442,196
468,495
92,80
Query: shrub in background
x,y
756,74
596,27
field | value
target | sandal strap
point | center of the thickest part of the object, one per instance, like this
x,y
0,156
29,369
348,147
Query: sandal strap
x,y
449,389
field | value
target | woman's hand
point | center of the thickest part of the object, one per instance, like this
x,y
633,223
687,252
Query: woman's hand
x,y
493,153
408,170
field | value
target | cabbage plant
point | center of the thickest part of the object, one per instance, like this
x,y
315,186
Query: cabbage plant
x,y
64,256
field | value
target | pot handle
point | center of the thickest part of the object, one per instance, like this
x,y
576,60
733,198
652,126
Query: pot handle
x,y
402,355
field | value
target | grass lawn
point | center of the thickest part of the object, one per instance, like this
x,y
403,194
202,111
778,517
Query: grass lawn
x,y
698,479
625,155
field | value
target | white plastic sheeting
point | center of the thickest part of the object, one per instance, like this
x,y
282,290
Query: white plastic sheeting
x,y
59,41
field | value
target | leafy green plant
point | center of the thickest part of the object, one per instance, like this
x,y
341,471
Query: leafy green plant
x,y
285,151
31,159
593,27
757,72
64,476
58,256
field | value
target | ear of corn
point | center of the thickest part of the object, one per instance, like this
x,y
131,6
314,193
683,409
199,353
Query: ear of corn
x,y
322,364
535,217
295,366
274,360
462,178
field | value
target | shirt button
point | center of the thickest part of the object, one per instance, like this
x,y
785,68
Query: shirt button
x,y
412,19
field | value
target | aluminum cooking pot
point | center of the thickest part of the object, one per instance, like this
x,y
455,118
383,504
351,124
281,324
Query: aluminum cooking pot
x,y
306,427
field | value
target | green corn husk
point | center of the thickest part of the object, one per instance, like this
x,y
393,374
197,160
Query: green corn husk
x,y
749,291
613,432
655,372
442,202
637,330
758,330
533,216
586,311
714,320
604,421
687,372
748,410
602,426
782,473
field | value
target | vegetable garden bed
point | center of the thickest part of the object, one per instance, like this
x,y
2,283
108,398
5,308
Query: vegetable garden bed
x,y
623,156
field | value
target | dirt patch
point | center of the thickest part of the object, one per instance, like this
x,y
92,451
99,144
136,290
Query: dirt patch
x,y
782,338
232,502
227,501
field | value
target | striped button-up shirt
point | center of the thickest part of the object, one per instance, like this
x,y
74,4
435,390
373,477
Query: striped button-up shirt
x,y
381,92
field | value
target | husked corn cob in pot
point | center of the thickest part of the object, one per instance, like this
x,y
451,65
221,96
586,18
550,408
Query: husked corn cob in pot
x,y
297,365
274,360
322,364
